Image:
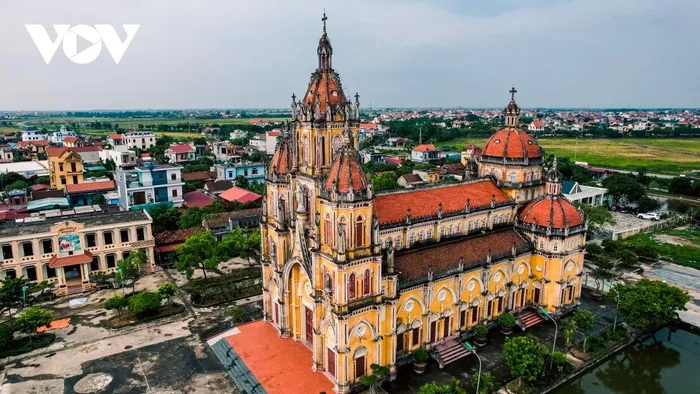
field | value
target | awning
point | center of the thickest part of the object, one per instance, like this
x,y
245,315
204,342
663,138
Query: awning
x,y
84,258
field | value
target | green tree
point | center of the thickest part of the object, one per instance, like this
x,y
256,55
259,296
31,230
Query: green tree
x,y
649,303
624,186
371,381
597,217
165,218
584,321
7,335
235,313
117,302
144,302
21,185
525,358
9,178
200,251
243,243
569,330
559,359
32,318
680,185
167,290
42,180
241,182
385,181
648,204
130,268
643,178
433,388
191,217
487,385
11,294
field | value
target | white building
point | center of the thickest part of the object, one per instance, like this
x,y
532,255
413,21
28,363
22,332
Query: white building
x,y
121,156
57,136
32,134
424,153
235,134
180,153
582,194
140,139
536,125
149,184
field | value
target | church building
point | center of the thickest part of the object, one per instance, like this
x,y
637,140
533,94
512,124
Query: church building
x,y
361,277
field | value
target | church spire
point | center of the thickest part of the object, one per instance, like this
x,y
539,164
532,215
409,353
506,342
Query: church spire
x,y
512,111
325,50
554,179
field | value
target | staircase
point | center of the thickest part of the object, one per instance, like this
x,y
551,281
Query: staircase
x,y
529,318
70,290
448,351
242,377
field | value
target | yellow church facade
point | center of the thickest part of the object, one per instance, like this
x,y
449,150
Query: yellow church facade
x,y
361,277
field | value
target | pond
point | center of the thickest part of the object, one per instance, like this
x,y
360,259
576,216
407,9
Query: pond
x,y
665,363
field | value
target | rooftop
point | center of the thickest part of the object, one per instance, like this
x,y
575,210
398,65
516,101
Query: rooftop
x,y
240,195
197,199
87,187
42,223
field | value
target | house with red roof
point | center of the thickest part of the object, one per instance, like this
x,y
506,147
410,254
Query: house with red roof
x,y
237,194
536,125
180,153
424,153
197,199
72,142
90,191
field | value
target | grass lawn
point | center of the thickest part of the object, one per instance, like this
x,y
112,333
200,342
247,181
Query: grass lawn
x,y
25,345
127,319
658,155
687,254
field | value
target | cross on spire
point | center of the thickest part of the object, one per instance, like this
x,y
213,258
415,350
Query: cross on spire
x,y
324,19
512,92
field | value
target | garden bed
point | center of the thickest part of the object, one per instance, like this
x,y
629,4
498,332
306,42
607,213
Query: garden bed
x,y
24,345
217,290
130,320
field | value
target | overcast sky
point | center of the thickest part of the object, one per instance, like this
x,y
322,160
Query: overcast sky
x,y
256,53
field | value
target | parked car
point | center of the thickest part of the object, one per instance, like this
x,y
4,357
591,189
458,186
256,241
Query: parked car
x,y
649,216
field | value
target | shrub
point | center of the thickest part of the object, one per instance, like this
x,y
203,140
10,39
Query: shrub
x,y
482,331
167,290
144,302
235,313
6,335
507,320
420,356
559,359
33,318
524,357
487,385
117,302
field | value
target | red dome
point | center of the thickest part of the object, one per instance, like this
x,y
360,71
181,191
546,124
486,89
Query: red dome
x,y
281,159
325,89
556,209
512,143
346,173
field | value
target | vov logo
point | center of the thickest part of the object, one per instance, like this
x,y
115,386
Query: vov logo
x,y
95,36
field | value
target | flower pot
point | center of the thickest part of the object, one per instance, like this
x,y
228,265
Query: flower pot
x,y
481,341
419,368
597,295
507,330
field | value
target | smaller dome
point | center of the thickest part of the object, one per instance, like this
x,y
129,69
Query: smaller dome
x,y
554,209
346,173
280,163
511,143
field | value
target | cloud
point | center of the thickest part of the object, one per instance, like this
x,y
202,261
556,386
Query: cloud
x,y
216,53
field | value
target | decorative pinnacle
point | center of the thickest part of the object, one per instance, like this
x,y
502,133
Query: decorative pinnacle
x,y
512,90
324,19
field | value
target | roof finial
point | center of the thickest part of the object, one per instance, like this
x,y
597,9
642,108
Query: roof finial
x,y
512,90
324,19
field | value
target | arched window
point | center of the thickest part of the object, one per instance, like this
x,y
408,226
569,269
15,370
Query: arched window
x,y
541,245
496,220
528,177
351,287
337,143
398,244
367,283
513,177
469,227
305,196
327,285
420,237
360,231
305,150
273,250
283,209
328,230
459,228
556,246
411,239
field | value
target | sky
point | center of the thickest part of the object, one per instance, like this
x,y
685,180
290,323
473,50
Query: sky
x,y
395,53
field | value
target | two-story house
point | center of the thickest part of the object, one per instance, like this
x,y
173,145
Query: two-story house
x,y
121,155
252,172
180,153
65,167
424,153
139,139
149,183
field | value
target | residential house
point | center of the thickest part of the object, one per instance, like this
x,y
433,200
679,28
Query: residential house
x,y
65,167
536,126
252,172
221,224
197,199
16,199
7,154
35,148
167,242
411,180
397,142
424,153
121,156
116,139
240,195
149,183
72,142
58,136
215,188
89,153
225,150
198,177
68,248
180,153
33,134
236,134
92,191
27,169
265,142
373,157
139,139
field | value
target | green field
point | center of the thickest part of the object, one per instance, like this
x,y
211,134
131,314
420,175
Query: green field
x,y
658,155
686,253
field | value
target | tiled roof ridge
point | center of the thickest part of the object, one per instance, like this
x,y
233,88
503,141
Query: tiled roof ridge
x,y
450,241
432,187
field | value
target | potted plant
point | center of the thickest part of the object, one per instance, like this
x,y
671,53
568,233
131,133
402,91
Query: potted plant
x,y
481,337
420,361
507,321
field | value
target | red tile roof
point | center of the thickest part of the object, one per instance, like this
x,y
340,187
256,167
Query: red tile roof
x,y
414,264
274,133
280,160
197,176
116,136
346,171
425,148
84,258
88,187
239,195
321,89
87,148
197,199
71,139
37,143
511,143
56,151
181,148
391,208
177,236
557,208
281,365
